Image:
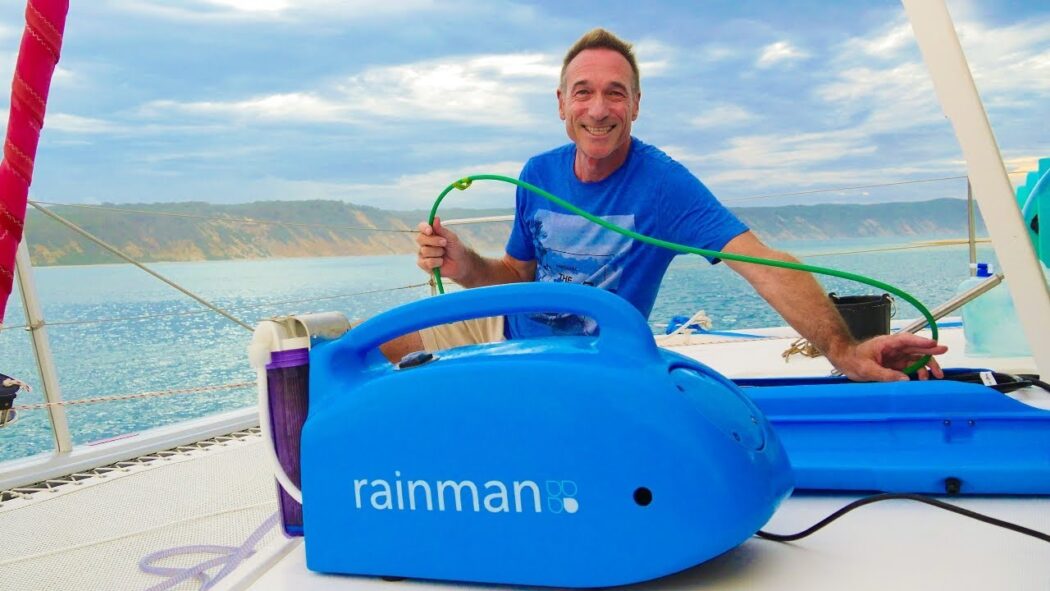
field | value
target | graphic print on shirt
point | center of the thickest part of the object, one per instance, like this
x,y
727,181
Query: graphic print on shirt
x,y
572,249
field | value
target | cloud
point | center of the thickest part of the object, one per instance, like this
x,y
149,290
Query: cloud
x,y
884,44
1010,61
294,107
775,151
480,90
485,90
778,52
418,191
407,192
1019,164
1011,67
77,125
654,57
68,123
761,185
716,53
253,5
722,115
885,99
9,31
274,10
752,164
71,124
225,154
880,87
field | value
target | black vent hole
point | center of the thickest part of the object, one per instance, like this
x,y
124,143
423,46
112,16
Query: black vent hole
x,y
643,496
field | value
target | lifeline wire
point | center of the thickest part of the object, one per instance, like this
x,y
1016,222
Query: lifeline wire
x,y
910,497
120,254
465,182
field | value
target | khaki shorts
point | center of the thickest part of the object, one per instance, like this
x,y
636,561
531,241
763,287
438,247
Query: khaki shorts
x,y
464,332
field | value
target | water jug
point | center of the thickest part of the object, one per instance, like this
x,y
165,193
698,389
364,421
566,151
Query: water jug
x,y
990,322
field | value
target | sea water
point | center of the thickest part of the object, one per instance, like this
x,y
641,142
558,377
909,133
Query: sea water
x,y
115,330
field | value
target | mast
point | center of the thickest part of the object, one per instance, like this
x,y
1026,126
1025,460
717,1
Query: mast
x,y
955,88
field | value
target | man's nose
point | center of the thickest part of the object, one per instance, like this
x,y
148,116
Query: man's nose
x,y
598,108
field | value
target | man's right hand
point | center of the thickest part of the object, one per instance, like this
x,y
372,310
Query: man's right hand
x,y
440,247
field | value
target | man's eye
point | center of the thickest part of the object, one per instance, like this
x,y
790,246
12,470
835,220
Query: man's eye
x,y
582,93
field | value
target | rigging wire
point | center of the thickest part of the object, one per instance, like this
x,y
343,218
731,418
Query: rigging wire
x,y
199,312
856,187
935,244
120,254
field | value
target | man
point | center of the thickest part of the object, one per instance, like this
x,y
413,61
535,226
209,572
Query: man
x,y
611,174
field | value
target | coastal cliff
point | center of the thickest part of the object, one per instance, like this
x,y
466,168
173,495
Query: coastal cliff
x,y
193,231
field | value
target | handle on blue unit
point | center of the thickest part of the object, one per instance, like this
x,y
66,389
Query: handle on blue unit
x,y
622,329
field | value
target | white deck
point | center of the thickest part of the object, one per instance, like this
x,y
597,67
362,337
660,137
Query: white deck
x,y
91,535
888,545
891,545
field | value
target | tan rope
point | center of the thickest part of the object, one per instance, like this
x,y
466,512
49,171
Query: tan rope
x,y
154,394
802,346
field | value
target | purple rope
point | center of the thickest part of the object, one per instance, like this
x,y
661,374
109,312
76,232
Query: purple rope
x,y
229,556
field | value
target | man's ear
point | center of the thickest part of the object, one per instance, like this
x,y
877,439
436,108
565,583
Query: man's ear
x,y
561,111
637,106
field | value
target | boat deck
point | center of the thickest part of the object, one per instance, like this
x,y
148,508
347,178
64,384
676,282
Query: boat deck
x,y
894,544
92,534
889,545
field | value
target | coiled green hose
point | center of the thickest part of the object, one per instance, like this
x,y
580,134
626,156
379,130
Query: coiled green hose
x,y
465,182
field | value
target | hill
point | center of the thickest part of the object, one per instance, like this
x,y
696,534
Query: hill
x,y
191,231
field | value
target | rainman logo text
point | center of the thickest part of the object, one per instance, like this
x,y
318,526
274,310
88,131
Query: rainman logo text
x,y
493,496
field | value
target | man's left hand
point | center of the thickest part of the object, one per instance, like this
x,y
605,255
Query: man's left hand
x,y
882,358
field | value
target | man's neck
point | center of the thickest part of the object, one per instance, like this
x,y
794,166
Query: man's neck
x,y
592,170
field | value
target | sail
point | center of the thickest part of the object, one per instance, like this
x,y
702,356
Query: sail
x,y
37,58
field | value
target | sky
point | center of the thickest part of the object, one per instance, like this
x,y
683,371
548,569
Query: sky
x,y
385,103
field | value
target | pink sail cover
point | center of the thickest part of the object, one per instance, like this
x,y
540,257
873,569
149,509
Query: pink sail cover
x,y
37,58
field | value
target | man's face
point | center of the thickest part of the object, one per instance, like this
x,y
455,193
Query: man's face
x,y
598,103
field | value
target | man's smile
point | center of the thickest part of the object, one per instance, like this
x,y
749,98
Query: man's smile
x,y
598,130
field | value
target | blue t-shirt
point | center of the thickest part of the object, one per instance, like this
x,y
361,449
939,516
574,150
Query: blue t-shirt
x,y
650,194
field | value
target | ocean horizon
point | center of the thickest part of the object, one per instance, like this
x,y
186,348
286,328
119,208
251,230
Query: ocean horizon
x,y
114,330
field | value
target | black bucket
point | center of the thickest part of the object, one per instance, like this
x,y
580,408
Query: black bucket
x,y
866,316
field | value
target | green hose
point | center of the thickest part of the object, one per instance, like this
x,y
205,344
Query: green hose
x,y
464,183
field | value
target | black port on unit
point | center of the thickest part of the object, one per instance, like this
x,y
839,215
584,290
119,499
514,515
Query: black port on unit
x,y
643,496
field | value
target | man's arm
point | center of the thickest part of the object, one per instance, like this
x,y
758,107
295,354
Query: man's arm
x,y
798,297
441,247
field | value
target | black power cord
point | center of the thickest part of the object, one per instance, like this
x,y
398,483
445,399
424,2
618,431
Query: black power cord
x,y
911,497
1003,382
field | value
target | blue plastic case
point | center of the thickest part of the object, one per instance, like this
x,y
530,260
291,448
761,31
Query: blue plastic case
x,y
569,462
937,436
